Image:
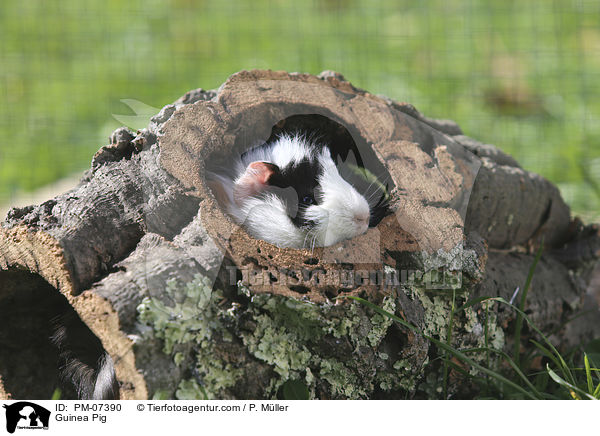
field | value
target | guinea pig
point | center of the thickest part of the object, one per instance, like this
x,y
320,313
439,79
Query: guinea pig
x,y
291,193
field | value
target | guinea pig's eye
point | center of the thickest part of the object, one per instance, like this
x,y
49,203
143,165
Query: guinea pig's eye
x,y
308,200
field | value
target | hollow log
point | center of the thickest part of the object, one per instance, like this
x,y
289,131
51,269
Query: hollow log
x,y
144,264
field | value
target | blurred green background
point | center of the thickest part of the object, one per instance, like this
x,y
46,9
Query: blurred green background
x,y
523,75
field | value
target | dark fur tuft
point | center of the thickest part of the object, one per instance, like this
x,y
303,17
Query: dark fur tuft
x,y
84,363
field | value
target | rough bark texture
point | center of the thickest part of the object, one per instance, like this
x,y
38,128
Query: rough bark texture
x,y
189,305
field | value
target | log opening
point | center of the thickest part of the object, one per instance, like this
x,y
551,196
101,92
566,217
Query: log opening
x,y
32,311
346,148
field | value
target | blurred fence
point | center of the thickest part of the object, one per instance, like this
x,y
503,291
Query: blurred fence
x,y
524,76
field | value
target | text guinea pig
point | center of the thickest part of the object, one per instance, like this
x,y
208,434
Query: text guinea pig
x,y
290,193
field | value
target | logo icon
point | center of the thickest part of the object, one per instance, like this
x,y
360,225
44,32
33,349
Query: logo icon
x,y
26,415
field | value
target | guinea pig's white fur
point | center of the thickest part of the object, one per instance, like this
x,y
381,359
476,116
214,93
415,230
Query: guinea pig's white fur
x,y
341,212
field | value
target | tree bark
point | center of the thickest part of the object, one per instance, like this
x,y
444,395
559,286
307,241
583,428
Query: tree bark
x,y
188,305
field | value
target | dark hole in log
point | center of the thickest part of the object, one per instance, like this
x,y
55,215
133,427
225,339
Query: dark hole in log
x,y
393,344
322,130
289,273
30,362
332,293
227,279
252,261
300,289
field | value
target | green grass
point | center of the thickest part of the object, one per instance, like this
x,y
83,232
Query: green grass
x,y
520,382
524,76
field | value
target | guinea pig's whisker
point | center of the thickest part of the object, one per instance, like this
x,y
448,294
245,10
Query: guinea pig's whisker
x,y
312,250
314,243
373,196
381,187
305,238
370,197
373,184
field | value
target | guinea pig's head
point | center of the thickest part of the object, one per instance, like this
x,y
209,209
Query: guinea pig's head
x,y
302,202
339,211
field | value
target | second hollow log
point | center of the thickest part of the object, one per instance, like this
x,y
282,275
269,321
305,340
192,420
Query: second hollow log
x,y
188,305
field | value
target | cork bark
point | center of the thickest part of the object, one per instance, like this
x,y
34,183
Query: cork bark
x,y
141,241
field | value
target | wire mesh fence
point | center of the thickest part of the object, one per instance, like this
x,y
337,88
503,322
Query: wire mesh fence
x,y
524,76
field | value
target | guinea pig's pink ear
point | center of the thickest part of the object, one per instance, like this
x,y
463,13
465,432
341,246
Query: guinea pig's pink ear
x,y
254,180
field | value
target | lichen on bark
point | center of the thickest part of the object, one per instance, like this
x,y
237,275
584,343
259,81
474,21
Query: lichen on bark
x,y
338,349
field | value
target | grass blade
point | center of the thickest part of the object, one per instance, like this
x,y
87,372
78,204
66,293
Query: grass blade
x,y
546,352
572,388
472,302
519,320
445,347
514,366
588,374
560,361
449,342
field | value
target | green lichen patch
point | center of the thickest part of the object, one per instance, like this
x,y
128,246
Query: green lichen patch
x,y
343,382
320,343
190,390
335,350
281,347
216,375
189,318
401,378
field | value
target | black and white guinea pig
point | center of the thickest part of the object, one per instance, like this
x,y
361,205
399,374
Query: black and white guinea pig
x,y
290,193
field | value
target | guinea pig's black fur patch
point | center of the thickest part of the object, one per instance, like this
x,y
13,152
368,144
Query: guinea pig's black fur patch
x,y
302,178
